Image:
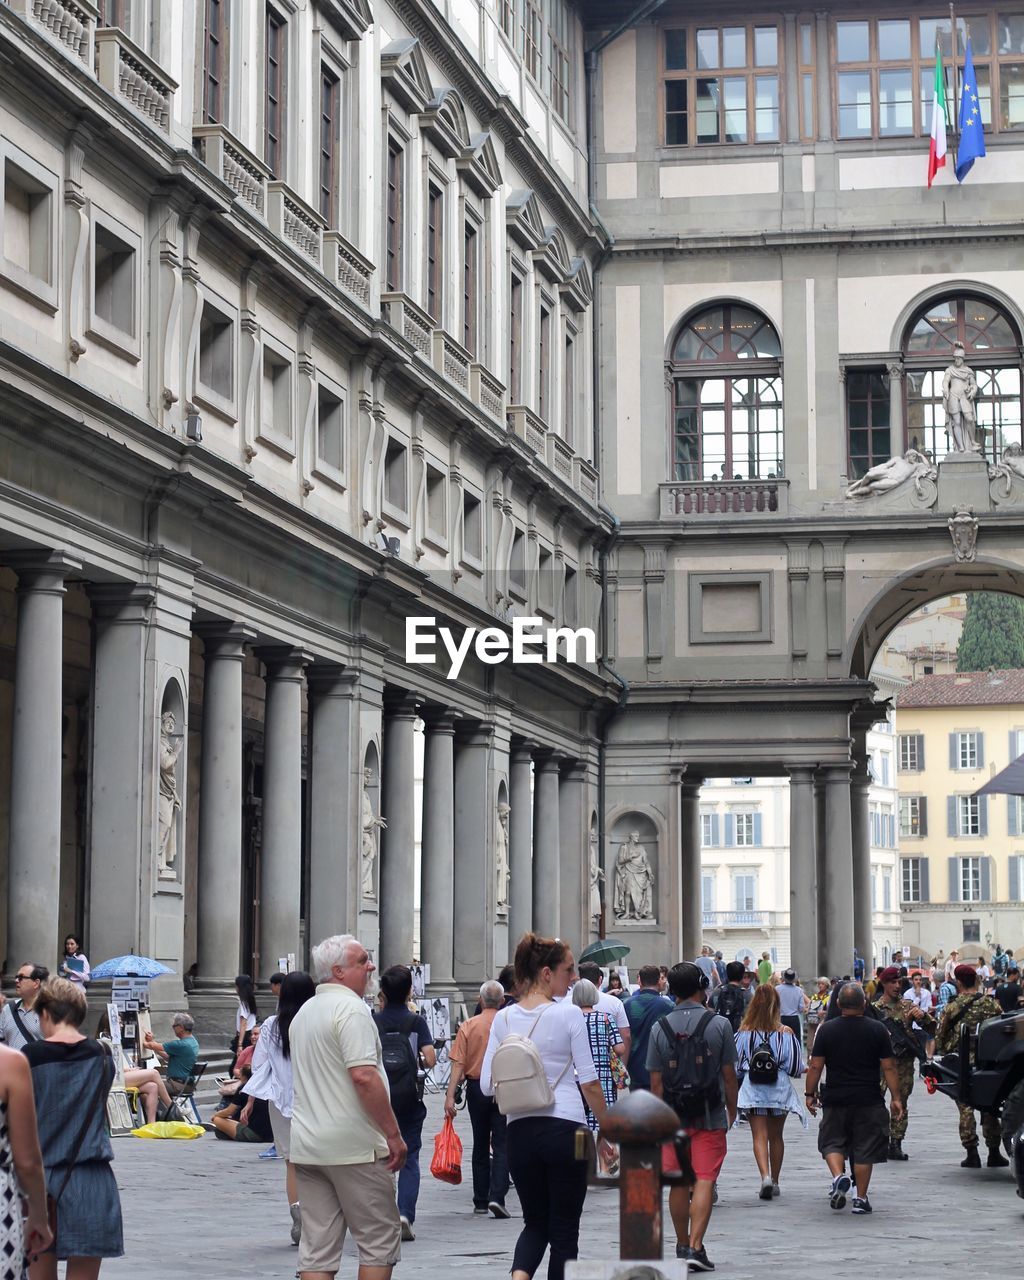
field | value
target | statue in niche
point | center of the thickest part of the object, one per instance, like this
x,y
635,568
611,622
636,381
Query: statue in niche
x,y
634,881
596,877
501,867
911,465
169,804
959,388
371,825
1010,468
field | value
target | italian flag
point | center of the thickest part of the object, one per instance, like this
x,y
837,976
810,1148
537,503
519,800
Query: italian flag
x,y
937,148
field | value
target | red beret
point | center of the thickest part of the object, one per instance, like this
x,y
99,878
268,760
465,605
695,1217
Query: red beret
x,y
891,974
966,973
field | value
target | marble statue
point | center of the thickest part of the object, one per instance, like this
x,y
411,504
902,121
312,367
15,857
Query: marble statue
x,y
911,465
596,877
169,805
634,881
959,388
371,824
1008,469
501,867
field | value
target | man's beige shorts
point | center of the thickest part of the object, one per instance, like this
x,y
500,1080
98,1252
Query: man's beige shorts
x,y
337,1197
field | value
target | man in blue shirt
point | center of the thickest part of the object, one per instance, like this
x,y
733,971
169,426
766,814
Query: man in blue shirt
x,y
643,1009
179,1054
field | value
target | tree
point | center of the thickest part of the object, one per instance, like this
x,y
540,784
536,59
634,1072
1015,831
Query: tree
x,y
993,633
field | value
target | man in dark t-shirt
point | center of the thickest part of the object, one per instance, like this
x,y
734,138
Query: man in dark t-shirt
x,y
1009,993
851,1049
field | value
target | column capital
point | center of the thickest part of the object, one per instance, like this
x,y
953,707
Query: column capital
x,y
547,760
41,570
284,661
521,751
331,680
690,787
476,733
402,705
440,719
125,602
574,770
224,639
800,775
838,773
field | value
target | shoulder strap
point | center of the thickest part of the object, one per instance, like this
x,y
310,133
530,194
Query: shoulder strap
x,y
533,1025
95,1104
963,1009
30,1036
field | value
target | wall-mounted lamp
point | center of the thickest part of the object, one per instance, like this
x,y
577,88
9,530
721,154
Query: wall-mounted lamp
x,y
194,427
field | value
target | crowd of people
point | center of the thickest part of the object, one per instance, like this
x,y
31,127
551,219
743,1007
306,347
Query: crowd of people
x,y
337,1088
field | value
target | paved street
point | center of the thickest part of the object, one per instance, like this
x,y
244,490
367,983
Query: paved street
x,y
211,1209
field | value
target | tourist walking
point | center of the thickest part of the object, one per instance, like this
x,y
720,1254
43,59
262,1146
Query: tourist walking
x,y
817,1007
692,1061
1009,993
24,1224
733,997
550,1179
613,1006
852,1050
765,968
604,1040
970,1007
19,1021
643,1009
71,1077
768,1058
705,962
345,1142
901,1016
792,1002
272,1081
490,1156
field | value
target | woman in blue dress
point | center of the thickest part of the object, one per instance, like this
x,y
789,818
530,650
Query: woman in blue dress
x,y
71,1076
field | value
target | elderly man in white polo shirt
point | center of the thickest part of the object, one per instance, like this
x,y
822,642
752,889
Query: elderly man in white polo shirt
x,y
345,1141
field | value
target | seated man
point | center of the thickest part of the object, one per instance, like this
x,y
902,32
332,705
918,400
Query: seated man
x,y
243,1119
244,1058
179,1054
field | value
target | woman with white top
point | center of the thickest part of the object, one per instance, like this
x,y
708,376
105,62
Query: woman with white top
x,y
74,965
550,1180
245,1017
272,1078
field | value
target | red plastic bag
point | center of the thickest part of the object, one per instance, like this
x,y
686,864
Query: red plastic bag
x,y
447,1162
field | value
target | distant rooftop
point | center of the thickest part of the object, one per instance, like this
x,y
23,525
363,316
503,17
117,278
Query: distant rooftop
x,y
964,689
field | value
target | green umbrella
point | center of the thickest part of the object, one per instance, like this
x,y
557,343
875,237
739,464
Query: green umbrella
x,y
604,951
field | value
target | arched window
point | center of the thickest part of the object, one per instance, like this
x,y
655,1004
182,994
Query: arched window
x,y
726,375
992,348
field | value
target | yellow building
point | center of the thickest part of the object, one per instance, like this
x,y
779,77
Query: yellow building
x,y
961,855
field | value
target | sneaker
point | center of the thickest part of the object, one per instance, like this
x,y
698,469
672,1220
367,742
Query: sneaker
x,y
480,1209
861,1205
684,1251
776,1191
766,1189
270,1153
407,1231
296,1213
498,1210
699,1260
841,1184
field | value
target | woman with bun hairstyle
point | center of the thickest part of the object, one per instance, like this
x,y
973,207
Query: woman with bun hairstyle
x,y
551,1182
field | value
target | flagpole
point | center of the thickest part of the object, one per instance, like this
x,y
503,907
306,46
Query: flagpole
x,y
954,42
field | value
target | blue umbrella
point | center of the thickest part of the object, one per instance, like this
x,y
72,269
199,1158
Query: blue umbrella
x,y
130,966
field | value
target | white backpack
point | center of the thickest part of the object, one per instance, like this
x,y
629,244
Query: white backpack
x,y
517,1072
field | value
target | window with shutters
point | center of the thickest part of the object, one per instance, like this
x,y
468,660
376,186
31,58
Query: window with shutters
x,y
330,92
274,85
544,362
1015,815
1015,870
470,285
912,879
515,338
886,891
435,250
913,817
746,829
214,60
1016,744
708,830
970,879
967,750
911,752
395,214
968,816
744,892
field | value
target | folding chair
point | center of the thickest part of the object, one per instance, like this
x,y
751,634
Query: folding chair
x,y
185,1101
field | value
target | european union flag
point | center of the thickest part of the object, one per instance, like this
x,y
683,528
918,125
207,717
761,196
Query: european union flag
x,y
972,136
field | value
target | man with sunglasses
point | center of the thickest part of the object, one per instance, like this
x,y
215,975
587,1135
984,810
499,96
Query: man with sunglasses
x,y
19,1023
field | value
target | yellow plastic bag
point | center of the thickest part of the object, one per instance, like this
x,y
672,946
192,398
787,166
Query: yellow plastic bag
x,y
169,1129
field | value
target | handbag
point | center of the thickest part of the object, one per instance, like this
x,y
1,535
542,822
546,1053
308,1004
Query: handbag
x,y
446,1165
620,1076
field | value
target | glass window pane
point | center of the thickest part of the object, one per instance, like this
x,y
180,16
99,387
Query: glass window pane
x,y
852,41
895,103
894,40
1010,32
707,48
735,109
806,43
854,88
981,35
675,131
931,30
766,109
766,47
707,110
675,50
734,46
1011,95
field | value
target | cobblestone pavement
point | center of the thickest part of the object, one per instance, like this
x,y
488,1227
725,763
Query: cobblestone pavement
x,y
209,1208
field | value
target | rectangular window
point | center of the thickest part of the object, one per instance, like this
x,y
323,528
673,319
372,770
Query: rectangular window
x,y
744,894
913,817
808,104
707,895
967,750
28,231
508,18
114,13
559,62
330,430
217,352
533,37
545,580
277,395
517,562
330,92
214,54
1015,870
396,475
544,364
971,930
867,420
515,339
570,600
569,390
470,276
435,251
740,102
273,92
472,526
911,877
707,830
395,214
968,816
745,829
886,891
970,879
437,501
911,752
114,281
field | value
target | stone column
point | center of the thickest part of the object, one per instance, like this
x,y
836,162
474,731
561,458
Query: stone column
x,y
334,777
520,915
691,913
33,895
437,849
281,864
574,861
398,839
475,886
819,863
838,870
863,924
220,803
803,876
546,879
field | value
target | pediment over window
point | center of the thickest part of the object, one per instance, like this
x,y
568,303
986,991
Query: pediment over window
x,y
444,122
351,17
552,256
523,220
578,288
403,71
478,164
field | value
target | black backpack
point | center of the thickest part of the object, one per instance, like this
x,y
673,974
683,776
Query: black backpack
x,y
731,1004
690,1080
764,1066
401,1064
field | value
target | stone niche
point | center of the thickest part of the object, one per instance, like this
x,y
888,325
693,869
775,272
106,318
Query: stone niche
x,y
633,874
730,607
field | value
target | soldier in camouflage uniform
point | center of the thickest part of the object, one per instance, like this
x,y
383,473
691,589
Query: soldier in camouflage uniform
x,y
967,1009
899,1017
